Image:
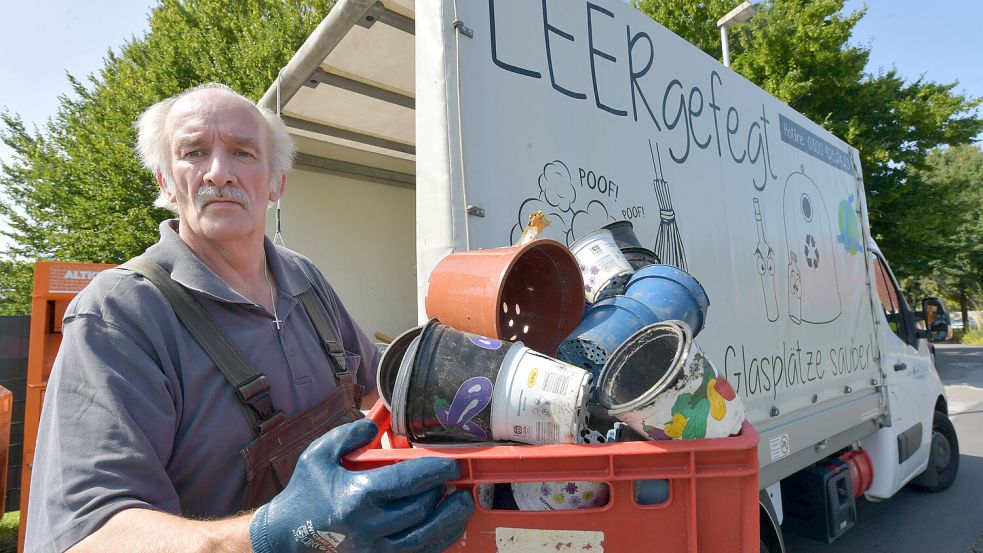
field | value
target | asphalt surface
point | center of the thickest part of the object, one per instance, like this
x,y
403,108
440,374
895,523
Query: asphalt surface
x,y
918,522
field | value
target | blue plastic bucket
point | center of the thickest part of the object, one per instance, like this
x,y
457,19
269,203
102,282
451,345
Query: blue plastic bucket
x,y
604,327
671,293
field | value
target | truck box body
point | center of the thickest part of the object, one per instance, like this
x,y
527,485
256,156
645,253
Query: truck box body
x,y
592,112
581,113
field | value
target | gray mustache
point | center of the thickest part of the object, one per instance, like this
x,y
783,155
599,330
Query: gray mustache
x,y
208,193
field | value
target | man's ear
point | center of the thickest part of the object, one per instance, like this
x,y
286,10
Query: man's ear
x,y
169,194
278,193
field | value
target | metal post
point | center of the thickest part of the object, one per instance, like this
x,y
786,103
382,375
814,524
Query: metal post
x,y
725,44
740,14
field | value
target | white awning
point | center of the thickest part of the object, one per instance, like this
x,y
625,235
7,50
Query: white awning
x,y
348,94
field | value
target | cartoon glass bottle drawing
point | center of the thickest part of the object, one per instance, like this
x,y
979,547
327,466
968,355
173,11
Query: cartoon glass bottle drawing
x,y
668,243
764,258
794,289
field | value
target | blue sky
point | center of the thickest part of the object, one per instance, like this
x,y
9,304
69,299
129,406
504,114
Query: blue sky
x,y
939,39
42,39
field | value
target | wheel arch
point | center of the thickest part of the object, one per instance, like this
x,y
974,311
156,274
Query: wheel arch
x,y
771,530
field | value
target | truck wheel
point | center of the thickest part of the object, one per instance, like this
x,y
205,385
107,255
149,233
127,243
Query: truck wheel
x,y
943,458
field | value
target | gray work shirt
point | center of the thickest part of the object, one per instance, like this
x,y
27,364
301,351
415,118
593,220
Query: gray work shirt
x,y
137,415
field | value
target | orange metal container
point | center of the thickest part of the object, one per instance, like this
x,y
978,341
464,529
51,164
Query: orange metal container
x,y
533,293
712,504
6,412
55,284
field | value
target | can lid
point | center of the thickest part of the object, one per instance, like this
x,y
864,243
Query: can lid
x,y
390,362
667,347
401,389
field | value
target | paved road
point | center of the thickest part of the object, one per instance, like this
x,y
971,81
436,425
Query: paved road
x,y
916,522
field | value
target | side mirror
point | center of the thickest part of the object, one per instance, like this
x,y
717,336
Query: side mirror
x,y
936,316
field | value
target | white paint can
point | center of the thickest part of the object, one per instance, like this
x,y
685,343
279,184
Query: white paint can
x,y
661,384
538,399
604,268
560,496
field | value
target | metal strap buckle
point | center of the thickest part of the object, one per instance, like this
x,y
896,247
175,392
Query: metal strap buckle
x,y
256,394
264,425
334,347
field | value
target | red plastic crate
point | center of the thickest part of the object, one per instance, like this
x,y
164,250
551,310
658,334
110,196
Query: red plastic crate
x,y
712,505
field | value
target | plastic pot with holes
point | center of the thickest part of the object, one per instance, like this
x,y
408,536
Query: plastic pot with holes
x,y
533,293
606,325
671,293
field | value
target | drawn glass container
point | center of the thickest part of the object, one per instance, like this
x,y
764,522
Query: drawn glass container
x,y
764,258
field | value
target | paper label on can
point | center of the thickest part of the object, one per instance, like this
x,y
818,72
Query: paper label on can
x,y
524,540
600,261
546,398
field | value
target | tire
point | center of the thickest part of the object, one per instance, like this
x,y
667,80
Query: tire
x,y
943,457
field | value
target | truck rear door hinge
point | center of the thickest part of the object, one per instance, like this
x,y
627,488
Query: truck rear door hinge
x,y
476,211
461,28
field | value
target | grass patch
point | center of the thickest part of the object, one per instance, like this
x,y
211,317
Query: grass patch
x,y
8,531
973,337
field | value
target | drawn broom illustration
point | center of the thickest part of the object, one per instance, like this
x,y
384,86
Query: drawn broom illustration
x,y
668,243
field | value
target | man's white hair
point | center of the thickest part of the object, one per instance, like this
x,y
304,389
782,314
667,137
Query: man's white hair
x,y
153,141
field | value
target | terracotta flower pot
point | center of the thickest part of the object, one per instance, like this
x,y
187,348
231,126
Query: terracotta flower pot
x,y
533,293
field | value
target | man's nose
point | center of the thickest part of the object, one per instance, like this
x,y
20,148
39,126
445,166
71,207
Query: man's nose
x,y
219,169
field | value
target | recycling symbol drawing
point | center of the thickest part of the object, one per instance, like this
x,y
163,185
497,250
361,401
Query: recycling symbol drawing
x,y
811,252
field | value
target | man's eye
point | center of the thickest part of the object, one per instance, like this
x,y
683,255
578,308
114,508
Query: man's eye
x,y
194,153
244,153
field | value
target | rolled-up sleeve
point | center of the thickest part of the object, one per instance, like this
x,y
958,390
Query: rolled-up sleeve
x,y
106,433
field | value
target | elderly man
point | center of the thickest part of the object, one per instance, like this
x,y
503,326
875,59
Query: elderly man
x,y
191,380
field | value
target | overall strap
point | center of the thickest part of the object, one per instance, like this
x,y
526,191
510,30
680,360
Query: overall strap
x,y
316,310
252,388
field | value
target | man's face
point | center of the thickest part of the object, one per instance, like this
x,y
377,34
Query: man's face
x,y
220,158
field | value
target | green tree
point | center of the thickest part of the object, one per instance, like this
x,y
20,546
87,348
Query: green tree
x,y
74,189
956,173
799,51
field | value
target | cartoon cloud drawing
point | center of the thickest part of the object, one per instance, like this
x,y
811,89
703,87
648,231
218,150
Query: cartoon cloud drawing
x,y
814,292
556,200
590,219
556,194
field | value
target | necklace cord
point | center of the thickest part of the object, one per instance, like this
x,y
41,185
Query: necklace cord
x,y
266,273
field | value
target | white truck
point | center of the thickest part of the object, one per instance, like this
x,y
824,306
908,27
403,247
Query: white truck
x,y
480,112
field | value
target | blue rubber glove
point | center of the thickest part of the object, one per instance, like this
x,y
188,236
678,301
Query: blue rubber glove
x,y
395,508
